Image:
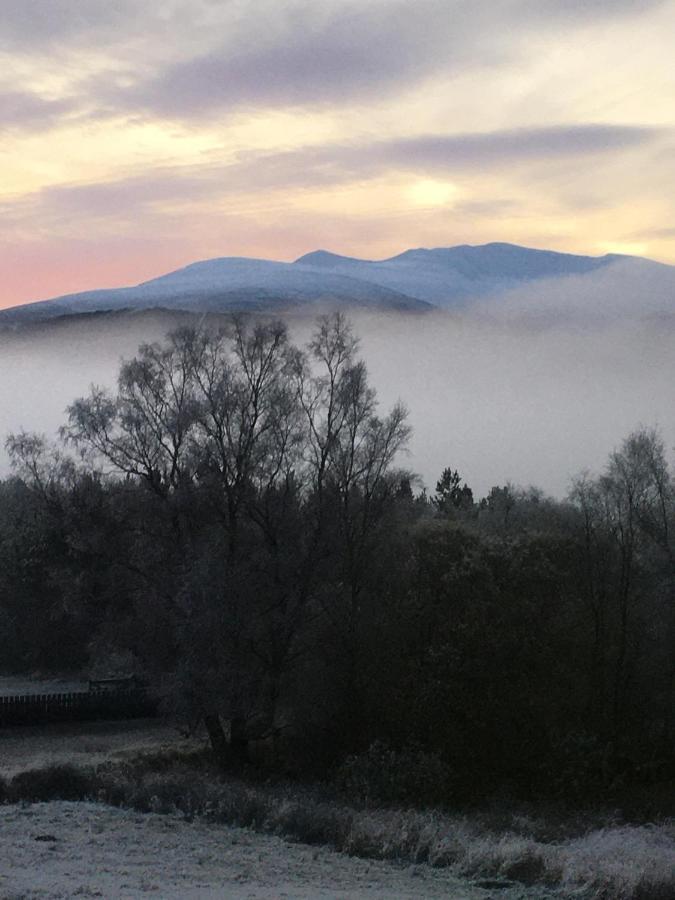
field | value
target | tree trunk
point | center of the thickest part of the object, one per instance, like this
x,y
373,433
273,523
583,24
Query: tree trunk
x,y
217,738
238,741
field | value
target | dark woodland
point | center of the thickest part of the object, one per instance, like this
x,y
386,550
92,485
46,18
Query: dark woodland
x,y
235,523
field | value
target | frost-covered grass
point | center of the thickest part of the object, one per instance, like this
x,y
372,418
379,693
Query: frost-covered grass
x,y
613,861
84,743
144,766
621,862
60,850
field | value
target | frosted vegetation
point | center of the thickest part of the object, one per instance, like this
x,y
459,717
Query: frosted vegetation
x,y
84,744
179,844
61,850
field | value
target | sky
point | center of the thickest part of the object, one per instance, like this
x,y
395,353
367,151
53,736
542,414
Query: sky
x,y
137,137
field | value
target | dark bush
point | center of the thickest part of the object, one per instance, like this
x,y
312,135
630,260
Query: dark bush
x,y
54,783
579,768
312,823
238,804
408,776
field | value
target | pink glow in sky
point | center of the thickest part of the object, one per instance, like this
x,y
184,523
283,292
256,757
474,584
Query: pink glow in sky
x,y
139,137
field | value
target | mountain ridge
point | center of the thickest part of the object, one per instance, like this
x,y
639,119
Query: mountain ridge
x,y
415,280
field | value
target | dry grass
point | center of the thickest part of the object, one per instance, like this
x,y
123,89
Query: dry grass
x,y
84,743
142,765
615,862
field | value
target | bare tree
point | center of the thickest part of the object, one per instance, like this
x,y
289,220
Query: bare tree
x,y
259,456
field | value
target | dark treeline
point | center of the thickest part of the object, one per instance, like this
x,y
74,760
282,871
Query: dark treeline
x,y
232,519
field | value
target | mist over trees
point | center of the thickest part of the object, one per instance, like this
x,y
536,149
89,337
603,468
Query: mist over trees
x,y
233,517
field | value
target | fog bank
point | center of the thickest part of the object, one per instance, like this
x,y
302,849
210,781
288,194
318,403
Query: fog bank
x,y
517,399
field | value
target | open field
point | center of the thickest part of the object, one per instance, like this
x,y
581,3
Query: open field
x,y
64,849
84,743
59,850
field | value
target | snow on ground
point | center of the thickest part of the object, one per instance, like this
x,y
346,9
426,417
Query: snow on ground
x,y
84,743
58,850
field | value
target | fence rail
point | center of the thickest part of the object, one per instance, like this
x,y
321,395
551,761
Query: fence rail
x,y
36,709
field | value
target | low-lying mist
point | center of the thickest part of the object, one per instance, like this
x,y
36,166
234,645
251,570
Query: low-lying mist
x,y
520,398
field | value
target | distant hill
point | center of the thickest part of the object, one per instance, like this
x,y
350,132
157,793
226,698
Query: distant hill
x,y
413,281
449,276
230,284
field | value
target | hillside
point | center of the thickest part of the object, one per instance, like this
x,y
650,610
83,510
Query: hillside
x,y
451,276
413,281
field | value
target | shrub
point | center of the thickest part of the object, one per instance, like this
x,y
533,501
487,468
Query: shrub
x,y
173,788
621,862
53,783
311,823
238,804
410,776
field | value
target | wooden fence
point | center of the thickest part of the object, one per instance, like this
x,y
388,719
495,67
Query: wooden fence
x,y
37,709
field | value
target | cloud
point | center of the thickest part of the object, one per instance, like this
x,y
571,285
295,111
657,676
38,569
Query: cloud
x,y
27,110
30,24
312,53
437,154
657,233
131,194
514,145
215,58
493,208
626,289
180,118
131,204
584,10
327,165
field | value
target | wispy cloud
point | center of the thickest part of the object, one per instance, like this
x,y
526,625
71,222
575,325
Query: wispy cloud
x,y
27,110
447,155
29,25
653,233
505,146
310,54
583,10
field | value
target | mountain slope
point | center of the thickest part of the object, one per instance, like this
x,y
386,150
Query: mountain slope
x,y
415,280
228,284
451,276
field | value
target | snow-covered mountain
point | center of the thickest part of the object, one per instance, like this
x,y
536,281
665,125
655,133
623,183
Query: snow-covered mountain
x,y
450,276
228,284
416,280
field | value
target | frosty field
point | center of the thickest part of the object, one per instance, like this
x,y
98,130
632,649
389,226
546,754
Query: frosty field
x,y
64,849
84,743
59,850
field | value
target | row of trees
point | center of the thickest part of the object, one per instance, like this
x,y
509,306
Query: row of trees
x,y
232,518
